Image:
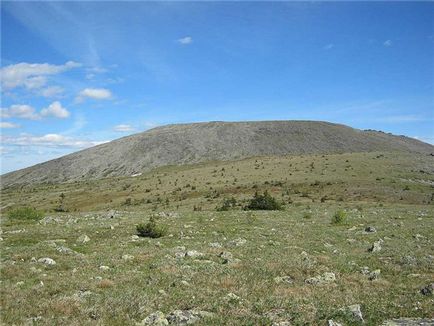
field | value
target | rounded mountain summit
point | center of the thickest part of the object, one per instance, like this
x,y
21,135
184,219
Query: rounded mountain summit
x,y
180,144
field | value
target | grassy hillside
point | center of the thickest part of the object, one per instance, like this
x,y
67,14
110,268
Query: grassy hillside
x,y
202,142
371,177
236,267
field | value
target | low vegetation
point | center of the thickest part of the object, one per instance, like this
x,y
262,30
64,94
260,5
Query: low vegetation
x,y
263,202
25,213
339,217
151,229
101,261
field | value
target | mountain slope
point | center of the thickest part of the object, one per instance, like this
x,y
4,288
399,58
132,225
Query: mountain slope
x,y
199,142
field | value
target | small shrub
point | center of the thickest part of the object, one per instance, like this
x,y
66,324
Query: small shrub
x,y
263,202
339,217
25,213
307,215
151,229
228,203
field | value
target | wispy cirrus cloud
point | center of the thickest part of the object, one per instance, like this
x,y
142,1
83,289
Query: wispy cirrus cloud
x,y
388,43
123,128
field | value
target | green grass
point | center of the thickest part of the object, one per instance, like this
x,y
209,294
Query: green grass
x,y
277,243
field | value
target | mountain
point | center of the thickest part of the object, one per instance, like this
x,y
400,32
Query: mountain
x,y
198,142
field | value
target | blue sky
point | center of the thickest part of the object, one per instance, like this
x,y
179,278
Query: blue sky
x,y
75,74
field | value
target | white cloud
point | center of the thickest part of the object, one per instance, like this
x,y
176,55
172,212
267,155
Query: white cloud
x,y
49,140
94,93
20,111
55,109
123,128
52,91
31,75
328,46
185,40
388,43
8,125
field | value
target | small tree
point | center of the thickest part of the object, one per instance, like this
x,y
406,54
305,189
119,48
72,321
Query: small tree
x,y
151,229
263,202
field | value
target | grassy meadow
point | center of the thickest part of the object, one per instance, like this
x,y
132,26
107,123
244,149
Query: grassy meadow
x,y
241,267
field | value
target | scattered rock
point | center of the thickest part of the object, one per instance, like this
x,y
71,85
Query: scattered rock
x,y
356,312
82,294
374,275
428,290
370,229
330,322
104,268
215,245
306,260
187,317
83,239
47,261
281,323
283,279
193,254
376,246
65,250
408,260
232,298
111,214
155,319
325,278
127,257
237,242
226,255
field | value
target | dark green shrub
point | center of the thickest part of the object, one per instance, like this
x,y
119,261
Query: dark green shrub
x,y
339,217
228,203
307,215
25,213
263,202
151,229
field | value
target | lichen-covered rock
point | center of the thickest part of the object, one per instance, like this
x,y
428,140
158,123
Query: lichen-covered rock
x,y
83,239
155,319
325,278
428,290
47,261
186,317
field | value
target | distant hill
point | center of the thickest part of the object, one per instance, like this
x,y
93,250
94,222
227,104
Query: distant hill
x,y
198,142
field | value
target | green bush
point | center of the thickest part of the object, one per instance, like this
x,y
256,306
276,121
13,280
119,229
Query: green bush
x,y
263,202
228,203
151,229
307,215
25,213
339,217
